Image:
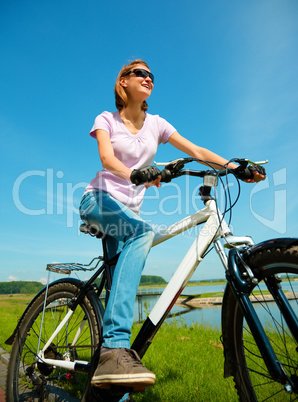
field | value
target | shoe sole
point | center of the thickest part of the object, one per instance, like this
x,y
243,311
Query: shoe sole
x,y
129,381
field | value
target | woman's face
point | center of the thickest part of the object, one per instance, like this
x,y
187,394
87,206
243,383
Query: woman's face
x,y
137,87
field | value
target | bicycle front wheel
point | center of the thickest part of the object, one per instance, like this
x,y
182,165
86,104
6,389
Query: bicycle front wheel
x,y
243,358
29,380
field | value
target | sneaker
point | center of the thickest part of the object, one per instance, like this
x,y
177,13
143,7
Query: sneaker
x,y
121,367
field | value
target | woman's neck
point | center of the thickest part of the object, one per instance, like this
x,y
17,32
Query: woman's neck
x,y
135,115
133,118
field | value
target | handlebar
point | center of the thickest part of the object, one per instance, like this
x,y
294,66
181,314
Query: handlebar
x,y
167,175
174,169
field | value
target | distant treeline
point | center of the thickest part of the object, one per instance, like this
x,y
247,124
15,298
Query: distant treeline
x,y
152,280
208,280
16,287
24,287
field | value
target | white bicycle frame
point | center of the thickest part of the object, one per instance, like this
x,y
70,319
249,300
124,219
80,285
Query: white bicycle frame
x,y
215,227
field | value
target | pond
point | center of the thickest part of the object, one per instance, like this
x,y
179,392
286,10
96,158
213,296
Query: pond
x,y
210,316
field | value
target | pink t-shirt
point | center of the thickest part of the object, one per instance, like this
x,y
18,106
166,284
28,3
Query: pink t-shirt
x,y
134,150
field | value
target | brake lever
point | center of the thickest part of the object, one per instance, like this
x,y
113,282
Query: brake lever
x,y
176,164
244,162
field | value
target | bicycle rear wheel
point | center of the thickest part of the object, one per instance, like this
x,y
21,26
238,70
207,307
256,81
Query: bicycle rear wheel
x,y
31,381
243,358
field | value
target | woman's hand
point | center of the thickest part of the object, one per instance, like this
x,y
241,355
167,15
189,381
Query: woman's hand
x,y
257,177
251,174
155,182
147,175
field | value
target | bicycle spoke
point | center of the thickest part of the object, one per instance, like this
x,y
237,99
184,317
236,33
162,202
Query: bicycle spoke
x,y
252,377
31,378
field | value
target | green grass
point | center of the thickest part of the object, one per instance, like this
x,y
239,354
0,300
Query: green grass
x,y
188,363
11,309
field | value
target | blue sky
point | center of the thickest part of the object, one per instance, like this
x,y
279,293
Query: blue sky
x,y
225,77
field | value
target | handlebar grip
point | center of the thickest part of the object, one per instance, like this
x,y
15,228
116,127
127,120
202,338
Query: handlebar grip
x,y
166,175
144,175
247,173
243,174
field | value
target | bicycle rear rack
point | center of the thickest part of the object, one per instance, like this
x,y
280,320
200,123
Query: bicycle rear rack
x,y
67,268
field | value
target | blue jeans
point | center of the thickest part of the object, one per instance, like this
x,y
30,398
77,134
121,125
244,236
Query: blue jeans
x,y
126,232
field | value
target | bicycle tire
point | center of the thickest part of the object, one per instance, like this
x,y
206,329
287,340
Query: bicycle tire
x,y
54,383
243,359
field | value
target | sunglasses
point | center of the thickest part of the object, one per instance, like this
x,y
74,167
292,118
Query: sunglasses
x,y
139,72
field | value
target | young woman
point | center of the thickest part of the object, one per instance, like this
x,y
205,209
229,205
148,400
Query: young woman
x,y
128,139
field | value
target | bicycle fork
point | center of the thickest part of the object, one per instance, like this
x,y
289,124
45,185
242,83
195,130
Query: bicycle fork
x,y
241,288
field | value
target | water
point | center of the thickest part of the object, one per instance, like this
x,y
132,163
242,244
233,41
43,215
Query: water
x,y
210,316
207,315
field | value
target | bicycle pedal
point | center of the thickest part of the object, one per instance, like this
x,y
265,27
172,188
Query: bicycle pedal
x,y
102,386
138,389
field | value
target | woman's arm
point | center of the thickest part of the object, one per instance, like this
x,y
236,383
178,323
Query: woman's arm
x,y
113,164
195,151
107,157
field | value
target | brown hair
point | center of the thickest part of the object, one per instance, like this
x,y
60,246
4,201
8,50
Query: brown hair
x,y
120,94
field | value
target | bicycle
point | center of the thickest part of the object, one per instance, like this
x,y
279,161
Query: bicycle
x,y
58,335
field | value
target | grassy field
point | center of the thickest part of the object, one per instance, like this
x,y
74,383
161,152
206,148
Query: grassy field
x,y
187,361
188,364
11,309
